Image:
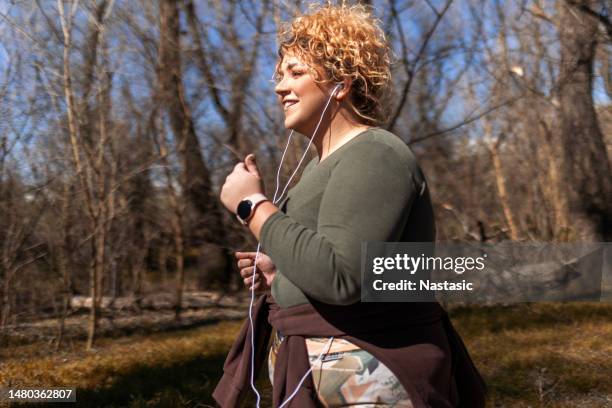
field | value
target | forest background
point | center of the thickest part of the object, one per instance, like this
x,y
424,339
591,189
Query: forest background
x,y
119,120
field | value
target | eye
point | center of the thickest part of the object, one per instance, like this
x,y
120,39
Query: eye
x,y
276,78
294,73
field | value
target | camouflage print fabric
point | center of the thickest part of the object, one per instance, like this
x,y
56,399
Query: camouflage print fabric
x,y
348,376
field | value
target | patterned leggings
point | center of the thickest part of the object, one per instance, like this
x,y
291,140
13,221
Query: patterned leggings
x,y
347,375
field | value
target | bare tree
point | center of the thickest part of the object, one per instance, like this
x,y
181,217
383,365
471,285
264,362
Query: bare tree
x,y
195,178
96,173
120,119
586,164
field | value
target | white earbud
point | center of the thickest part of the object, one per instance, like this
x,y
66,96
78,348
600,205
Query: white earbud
x,y
338,87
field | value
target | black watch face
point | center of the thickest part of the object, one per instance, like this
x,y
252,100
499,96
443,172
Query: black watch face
x,y
244,209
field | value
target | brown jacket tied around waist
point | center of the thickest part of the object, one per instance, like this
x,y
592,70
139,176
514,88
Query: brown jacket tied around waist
x,y
416,341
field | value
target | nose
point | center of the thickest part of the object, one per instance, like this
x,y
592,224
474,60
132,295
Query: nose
x,y
281,88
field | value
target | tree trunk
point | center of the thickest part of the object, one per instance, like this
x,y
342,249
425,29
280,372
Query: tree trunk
x,y
208,225
586,164
492,144
180,273
93,312
553,185
500,181
6,300
63,264
82,172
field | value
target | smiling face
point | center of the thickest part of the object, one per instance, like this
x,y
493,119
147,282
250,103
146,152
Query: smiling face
x,y
300,96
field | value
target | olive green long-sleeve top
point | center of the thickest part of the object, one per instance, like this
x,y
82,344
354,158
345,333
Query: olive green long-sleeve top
x,y
369,189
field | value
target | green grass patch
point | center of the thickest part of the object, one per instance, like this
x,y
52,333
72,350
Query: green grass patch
x,y
539,355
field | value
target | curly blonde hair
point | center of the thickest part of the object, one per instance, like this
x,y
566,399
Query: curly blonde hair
x,y
347,43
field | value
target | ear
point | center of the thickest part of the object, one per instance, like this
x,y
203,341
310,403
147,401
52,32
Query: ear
x,y
344,90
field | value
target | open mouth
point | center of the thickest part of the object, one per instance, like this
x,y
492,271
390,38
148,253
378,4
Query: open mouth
x,y
288,104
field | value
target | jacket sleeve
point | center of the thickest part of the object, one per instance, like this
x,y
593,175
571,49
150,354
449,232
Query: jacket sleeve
x,y
368,198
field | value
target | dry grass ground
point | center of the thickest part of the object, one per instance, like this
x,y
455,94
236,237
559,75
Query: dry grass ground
x,y
539,355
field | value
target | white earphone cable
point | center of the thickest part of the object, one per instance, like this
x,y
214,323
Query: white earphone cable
x,y
320,358
275,200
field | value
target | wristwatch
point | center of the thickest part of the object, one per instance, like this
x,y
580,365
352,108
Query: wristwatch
x,y
246,208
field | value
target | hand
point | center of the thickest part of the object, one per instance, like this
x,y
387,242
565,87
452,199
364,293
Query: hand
x,y
265,268
243,181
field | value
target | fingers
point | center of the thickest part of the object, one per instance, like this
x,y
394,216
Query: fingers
x,y
245,255
245,259
255,287
239,165
247,271
247,279
248,282
244,263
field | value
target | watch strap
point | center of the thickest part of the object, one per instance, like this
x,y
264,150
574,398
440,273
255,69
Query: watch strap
x,y
255,200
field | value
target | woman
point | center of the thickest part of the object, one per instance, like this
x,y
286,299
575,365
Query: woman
x,y
365,185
